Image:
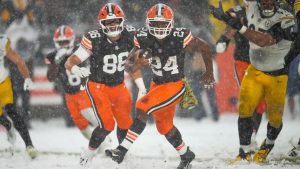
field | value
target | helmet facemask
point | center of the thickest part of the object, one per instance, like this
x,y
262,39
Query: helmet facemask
x,y
112,27
267,9
159,27
64,37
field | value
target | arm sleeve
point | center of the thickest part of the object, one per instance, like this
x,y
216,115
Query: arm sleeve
x,y
187,38
82,53
87,43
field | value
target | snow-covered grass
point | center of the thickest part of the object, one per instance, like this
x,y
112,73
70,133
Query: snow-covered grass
x,y
213,143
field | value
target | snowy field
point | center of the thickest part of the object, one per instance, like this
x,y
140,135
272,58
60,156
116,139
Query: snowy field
x,y
213,143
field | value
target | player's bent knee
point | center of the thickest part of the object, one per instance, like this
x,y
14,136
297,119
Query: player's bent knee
x,y
125,124
275,121
163,129
109,125
245,111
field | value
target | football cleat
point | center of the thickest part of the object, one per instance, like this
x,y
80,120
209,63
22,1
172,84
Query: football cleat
x,y
242,156
186,159
261,155
32,152
86,157
293,154
116,154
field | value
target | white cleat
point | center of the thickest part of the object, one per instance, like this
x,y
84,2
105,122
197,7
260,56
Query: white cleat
x,y
293,154
86,158
32,152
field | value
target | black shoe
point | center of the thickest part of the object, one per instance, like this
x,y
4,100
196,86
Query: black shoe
x,y
117,154
186,159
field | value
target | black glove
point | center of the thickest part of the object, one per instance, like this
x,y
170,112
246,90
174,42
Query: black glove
x,y
235,23
219,12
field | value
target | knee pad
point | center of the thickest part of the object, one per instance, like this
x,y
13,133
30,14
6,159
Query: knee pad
x,y
163,128
275,120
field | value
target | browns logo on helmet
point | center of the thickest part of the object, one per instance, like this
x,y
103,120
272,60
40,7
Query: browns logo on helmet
x,y
160,20
64,37
111,19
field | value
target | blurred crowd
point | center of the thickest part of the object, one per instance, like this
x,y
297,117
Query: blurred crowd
x,y
30,25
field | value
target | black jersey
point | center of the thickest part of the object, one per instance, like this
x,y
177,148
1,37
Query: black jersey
x,y
241,51
71,83
108,58
167,56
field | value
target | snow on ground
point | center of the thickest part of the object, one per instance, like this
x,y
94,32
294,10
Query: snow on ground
x,y
213,143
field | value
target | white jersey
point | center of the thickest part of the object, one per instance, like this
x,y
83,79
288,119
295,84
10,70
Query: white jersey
x,y
3,70
269,58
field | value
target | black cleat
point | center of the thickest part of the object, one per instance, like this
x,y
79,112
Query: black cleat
x,y
116,154
186,159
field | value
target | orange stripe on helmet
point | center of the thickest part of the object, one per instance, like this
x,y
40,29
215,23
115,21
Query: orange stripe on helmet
x,y
116,11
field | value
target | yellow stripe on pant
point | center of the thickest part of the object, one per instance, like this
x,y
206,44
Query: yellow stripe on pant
x,y
257,84
6,94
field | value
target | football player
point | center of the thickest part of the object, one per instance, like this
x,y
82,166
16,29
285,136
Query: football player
x,y
107,48
294,153
6,96
268,30
77,100
163,47
241,63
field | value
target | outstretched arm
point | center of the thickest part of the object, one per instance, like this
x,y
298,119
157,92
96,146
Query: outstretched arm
x,y
198,47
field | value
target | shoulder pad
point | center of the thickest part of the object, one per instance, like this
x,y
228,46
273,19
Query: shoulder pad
x,y
93,34
49,59
286,18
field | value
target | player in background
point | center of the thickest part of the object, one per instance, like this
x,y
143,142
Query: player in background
x,y
294,153
241,63
268,30
6,97
76,99
107,48
163,47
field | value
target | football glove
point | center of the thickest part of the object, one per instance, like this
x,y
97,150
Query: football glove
x,y
80,71
189,100
28,84
222,44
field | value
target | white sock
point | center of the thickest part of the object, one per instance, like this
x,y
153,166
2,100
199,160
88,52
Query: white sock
x,y
246,148
268,141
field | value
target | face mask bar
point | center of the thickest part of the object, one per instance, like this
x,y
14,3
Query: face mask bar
x,y
159,33
267,12
64,43
114,30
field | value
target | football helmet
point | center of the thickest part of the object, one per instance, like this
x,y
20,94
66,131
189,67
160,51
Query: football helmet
x,y
64,37
267,8
111,19
160,20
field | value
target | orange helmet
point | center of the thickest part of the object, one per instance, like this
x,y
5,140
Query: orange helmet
x,y
160,20
111,19
64,37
